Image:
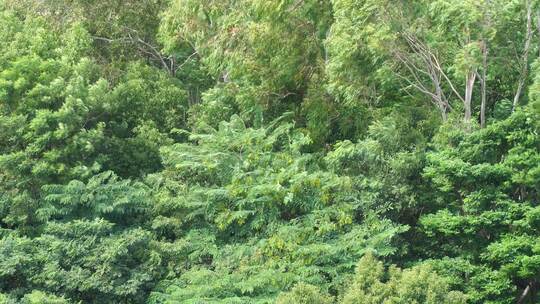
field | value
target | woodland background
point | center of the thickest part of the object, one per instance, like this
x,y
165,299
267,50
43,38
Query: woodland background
x,y
256,151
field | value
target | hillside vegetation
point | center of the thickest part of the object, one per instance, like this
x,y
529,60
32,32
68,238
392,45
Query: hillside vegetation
x,y
269,151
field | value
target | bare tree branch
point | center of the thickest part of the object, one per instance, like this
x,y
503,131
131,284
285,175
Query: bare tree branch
x,y
430,58
143,46
186,61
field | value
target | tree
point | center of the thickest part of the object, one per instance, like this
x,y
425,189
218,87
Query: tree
x,y
91,248
372,283
485,206
435,48
265,213
253,151
304,294
264,58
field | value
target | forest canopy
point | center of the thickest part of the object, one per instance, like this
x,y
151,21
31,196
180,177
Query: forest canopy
x,y
269,151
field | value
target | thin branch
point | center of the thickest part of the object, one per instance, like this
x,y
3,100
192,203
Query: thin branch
x,y
186,61
146,48
296,5
430,58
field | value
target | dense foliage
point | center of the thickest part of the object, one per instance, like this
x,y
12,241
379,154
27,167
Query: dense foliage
x,y
257,151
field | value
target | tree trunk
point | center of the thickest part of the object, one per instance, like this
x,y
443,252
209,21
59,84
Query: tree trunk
x,y
485,50
538,28
483,84
441,99
524,294
443,105
469,86
525,57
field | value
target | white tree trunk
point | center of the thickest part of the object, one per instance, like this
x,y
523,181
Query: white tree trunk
x,y
483,84
469,86
525,57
